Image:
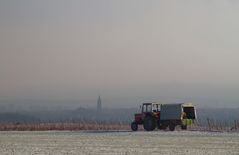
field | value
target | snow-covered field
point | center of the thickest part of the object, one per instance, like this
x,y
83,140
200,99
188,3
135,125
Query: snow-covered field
x,y
124,143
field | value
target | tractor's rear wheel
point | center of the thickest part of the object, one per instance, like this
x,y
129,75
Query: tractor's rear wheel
x,y
134,126
149,123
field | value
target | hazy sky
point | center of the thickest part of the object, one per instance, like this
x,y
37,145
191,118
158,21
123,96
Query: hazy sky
x,y
128,51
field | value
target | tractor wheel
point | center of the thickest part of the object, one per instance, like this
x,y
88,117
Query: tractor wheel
x,y
134,126
171,127
149,123
184,127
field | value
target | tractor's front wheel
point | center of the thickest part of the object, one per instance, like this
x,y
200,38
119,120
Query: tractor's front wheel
x,y
149,123
134,126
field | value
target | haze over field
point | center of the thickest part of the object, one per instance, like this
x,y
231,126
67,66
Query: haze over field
x,y
69,52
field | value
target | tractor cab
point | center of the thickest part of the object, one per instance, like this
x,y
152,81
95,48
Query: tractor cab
x,y
150,107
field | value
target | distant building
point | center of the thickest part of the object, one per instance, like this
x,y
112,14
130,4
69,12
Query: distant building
x,y
99,106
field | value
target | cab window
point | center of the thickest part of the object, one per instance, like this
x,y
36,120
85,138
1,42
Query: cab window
x,y
147,108
156,108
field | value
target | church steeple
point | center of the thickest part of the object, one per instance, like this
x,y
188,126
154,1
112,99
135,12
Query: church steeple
x,y
99,108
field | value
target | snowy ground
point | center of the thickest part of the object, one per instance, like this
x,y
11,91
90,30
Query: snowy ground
x,y
124,143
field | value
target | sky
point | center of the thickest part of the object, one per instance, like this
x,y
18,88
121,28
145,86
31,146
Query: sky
x,y
127,51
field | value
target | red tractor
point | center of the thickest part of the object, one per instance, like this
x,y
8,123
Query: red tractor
x,y
148,117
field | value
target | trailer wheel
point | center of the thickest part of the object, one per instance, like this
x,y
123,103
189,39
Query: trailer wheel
x,y
149,123
171,127
134,126
184,127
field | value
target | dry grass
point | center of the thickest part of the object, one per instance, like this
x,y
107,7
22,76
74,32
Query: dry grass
x,y
63,126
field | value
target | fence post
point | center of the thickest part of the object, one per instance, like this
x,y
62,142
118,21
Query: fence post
x,y
235,125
